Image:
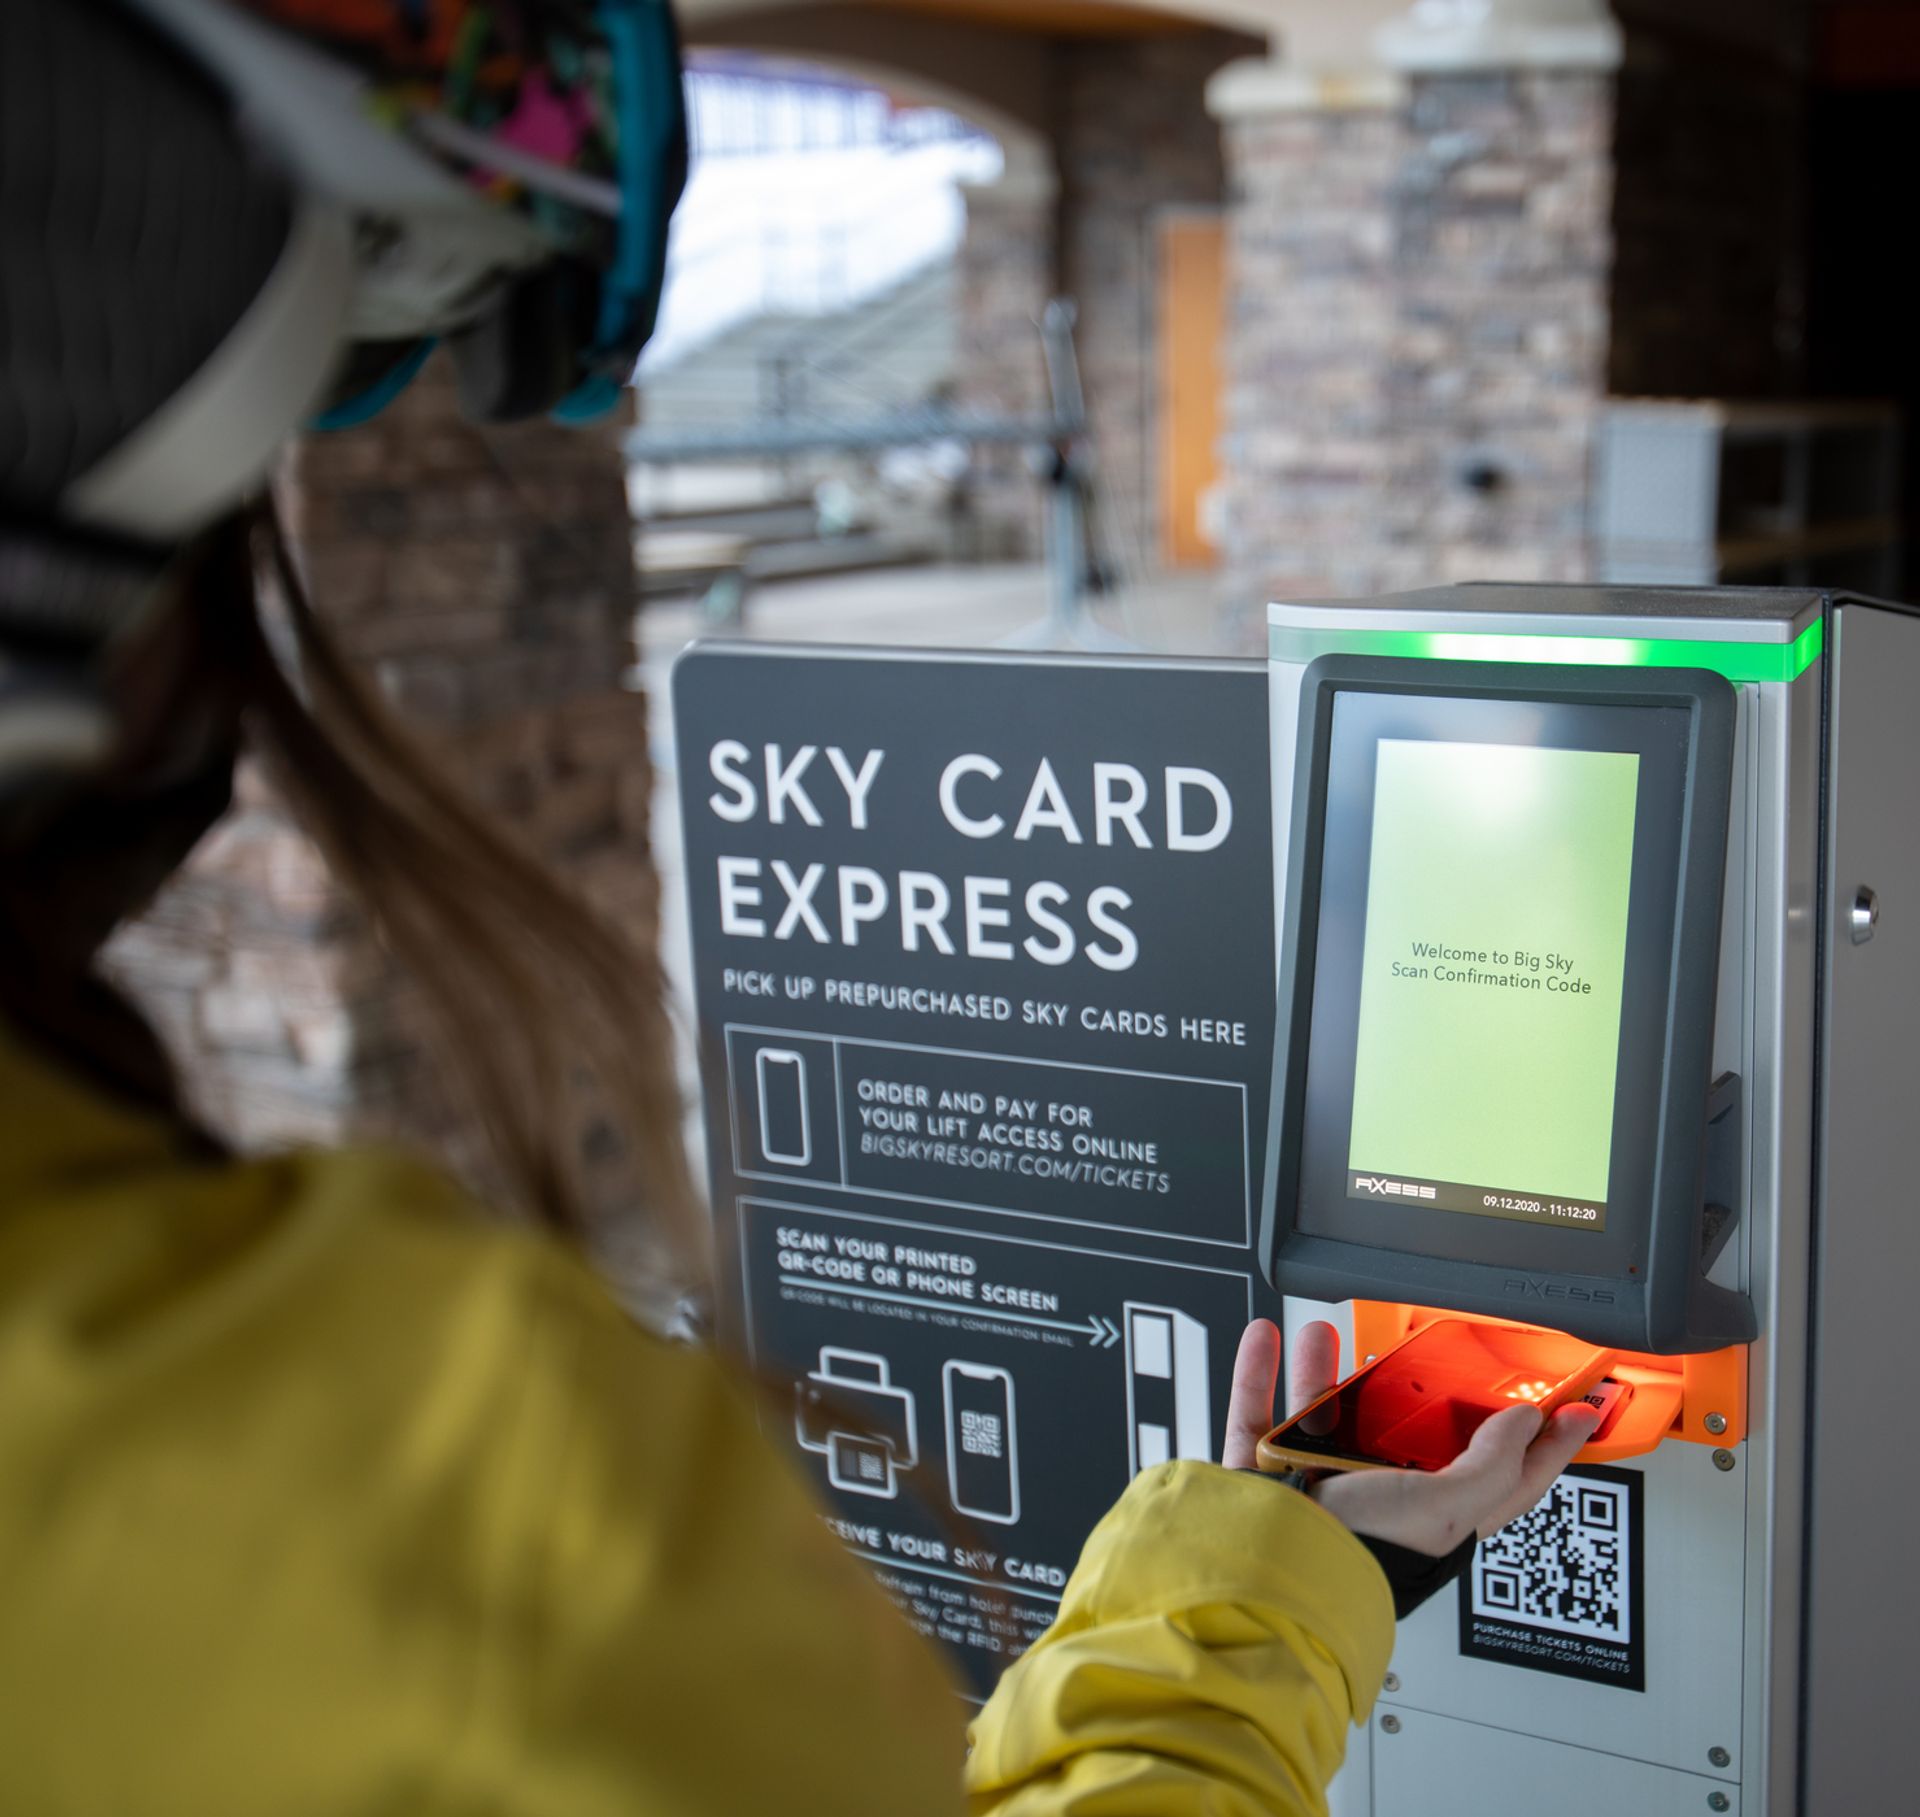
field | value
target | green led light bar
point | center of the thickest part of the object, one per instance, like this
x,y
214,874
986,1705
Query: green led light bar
x,y
1737,662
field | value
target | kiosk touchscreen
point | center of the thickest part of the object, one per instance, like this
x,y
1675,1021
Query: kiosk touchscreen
x,y
1493,1087
1599,975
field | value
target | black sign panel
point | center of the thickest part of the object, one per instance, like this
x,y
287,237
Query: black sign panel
x,y
983,953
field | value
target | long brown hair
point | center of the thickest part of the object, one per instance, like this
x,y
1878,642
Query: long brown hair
x,y
543,1006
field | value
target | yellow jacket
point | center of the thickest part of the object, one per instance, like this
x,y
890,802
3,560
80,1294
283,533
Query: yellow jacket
x,y
318,1494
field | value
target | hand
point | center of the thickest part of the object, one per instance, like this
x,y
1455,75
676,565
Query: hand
x,y
1508,1465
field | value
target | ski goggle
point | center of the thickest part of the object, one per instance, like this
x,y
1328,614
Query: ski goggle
x,y
512,165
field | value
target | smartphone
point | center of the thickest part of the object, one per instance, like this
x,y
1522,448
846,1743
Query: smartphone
x,y
1417,1406
785,1137
983,1459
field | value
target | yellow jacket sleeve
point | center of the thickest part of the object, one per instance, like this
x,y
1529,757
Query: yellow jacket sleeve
x,y
688,1635
1217,1639
321,1495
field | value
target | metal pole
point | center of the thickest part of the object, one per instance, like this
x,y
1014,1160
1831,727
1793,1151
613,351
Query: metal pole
x,y
1068,624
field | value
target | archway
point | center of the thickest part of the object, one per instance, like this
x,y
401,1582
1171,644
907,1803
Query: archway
x,y
1114,175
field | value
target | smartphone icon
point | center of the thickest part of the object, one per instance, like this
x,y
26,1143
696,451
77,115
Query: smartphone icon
x,y
786,1137
983,1460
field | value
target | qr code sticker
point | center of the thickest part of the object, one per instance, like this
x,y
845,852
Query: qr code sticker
x,y
1565,1566
980,1434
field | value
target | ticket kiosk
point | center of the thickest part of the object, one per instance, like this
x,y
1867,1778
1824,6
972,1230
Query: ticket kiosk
x,y
1600,965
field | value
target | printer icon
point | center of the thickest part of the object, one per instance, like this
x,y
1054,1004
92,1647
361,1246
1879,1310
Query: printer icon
x,y
849,1410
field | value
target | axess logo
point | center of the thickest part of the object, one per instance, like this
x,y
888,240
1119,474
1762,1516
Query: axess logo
x,y
1390,1189
1529,1288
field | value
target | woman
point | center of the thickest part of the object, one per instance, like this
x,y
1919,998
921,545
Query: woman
x,y
320,1491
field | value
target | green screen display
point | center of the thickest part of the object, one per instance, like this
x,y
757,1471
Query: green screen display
x,y
1492,977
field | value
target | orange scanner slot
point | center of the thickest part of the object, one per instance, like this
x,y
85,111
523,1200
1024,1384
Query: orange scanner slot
x,y
1700,1399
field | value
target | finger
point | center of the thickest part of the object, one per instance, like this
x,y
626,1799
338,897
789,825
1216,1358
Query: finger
x,y
1313,1369
1256,1368
1506,1467
1477,1487
1560,1439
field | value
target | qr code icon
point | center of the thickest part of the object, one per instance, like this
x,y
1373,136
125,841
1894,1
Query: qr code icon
x,y
980,1434
1565,1566
872,1469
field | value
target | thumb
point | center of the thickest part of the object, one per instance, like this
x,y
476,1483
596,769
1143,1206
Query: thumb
x,y
1484,1477
1501,1440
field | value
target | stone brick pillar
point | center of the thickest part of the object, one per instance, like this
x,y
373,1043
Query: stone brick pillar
x,y
1502,250
1134,140
1307,454
1419,261
485,578
1008,265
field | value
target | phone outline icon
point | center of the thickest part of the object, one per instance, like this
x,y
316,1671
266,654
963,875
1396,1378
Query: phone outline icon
x,y
952,1373
783,1058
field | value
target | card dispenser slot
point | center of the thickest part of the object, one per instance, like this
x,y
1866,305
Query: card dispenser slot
x,y
1641,1421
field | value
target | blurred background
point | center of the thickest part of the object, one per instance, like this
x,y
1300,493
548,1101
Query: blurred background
x,y
1087,322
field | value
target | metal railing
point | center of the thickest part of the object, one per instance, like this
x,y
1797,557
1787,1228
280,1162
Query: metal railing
x,y
738,108
1061,460
834,254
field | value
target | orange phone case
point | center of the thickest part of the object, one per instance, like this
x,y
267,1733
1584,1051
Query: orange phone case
x,y
1427,1396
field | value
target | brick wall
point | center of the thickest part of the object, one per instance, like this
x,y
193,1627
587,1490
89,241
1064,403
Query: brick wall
x,y
486,579
1502,250
1310,333
1133,139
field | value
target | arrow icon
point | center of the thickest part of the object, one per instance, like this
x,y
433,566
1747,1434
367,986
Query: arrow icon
x,y
1102,1332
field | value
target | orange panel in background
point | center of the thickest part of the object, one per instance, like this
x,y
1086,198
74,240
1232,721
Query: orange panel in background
x,y
1192,314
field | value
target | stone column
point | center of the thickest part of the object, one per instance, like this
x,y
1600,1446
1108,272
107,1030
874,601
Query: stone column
x,y
1134,141
1009,261
1503,247
1312,160
1418,265
485,578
